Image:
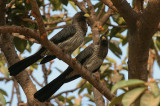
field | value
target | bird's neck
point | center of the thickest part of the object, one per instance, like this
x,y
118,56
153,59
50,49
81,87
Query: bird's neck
x,y
101,51
81,25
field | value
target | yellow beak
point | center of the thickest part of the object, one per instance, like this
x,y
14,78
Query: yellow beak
x,y
86,15
103,38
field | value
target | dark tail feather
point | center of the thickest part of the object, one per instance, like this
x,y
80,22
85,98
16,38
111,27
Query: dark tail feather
x,y
47,59
21,65
46,92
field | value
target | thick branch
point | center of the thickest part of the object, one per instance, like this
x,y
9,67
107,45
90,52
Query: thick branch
x,y
138,5
106,16
99,101
39,19
125,10
9,51
151,16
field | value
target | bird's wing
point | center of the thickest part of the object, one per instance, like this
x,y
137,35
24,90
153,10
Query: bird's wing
x,y
64,34
85,54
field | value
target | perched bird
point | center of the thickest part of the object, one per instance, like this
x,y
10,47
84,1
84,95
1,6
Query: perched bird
x,y
92,58
68,39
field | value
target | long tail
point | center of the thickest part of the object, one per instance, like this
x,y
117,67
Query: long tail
x,y
47,59
46,92
21,65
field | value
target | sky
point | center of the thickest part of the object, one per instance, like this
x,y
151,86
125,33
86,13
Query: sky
x,y
62,66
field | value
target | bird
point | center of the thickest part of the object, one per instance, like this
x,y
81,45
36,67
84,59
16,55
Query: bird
x,y
91,58
68,39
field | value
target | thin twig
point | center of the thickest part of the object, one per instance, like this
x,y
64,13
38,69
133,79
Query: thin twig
x,y
57,27
48,23
90,6
10,4
69,90
25,38
6,78
110,4
101,11
17,91
12,94
45,75
81,5
123,26
36,80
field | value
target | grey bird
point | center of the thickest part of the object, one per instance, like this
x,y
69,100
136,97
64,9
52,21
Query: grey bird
x,y
92,58
68,39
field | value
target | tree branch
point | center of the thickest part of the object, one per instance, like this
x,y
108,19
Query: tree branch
x,y
12,94
139,5
125,10
90,7
106,16
110,5
101,11
48,23
38,17
151,16
68,90
17,91
98,97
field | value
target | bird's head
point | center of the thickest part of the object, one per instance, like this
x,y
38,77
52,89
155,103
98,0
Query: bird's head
x,y
103,40
80,16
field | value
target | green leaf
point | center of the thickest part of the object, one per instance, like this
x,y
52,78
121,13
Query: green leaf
x,y
110,60
154,88
148,99
114,47
124,83
3,92
87,39
132,95
73,5
116,100
57,5
61,98
2,100
28,47
65,2
20,44
76,52
158,43
4,71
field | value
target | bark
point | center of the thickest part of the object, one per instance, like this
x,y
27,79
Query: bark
x,y
140,34
138,5
7,46
98,97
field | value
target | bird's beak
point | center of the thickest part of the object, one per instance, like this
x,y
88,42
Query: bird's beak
x,y
86,15
103,38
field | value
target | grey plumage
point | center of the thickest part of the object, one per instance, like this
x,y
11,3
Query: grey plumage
x,y
68,39
92,58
